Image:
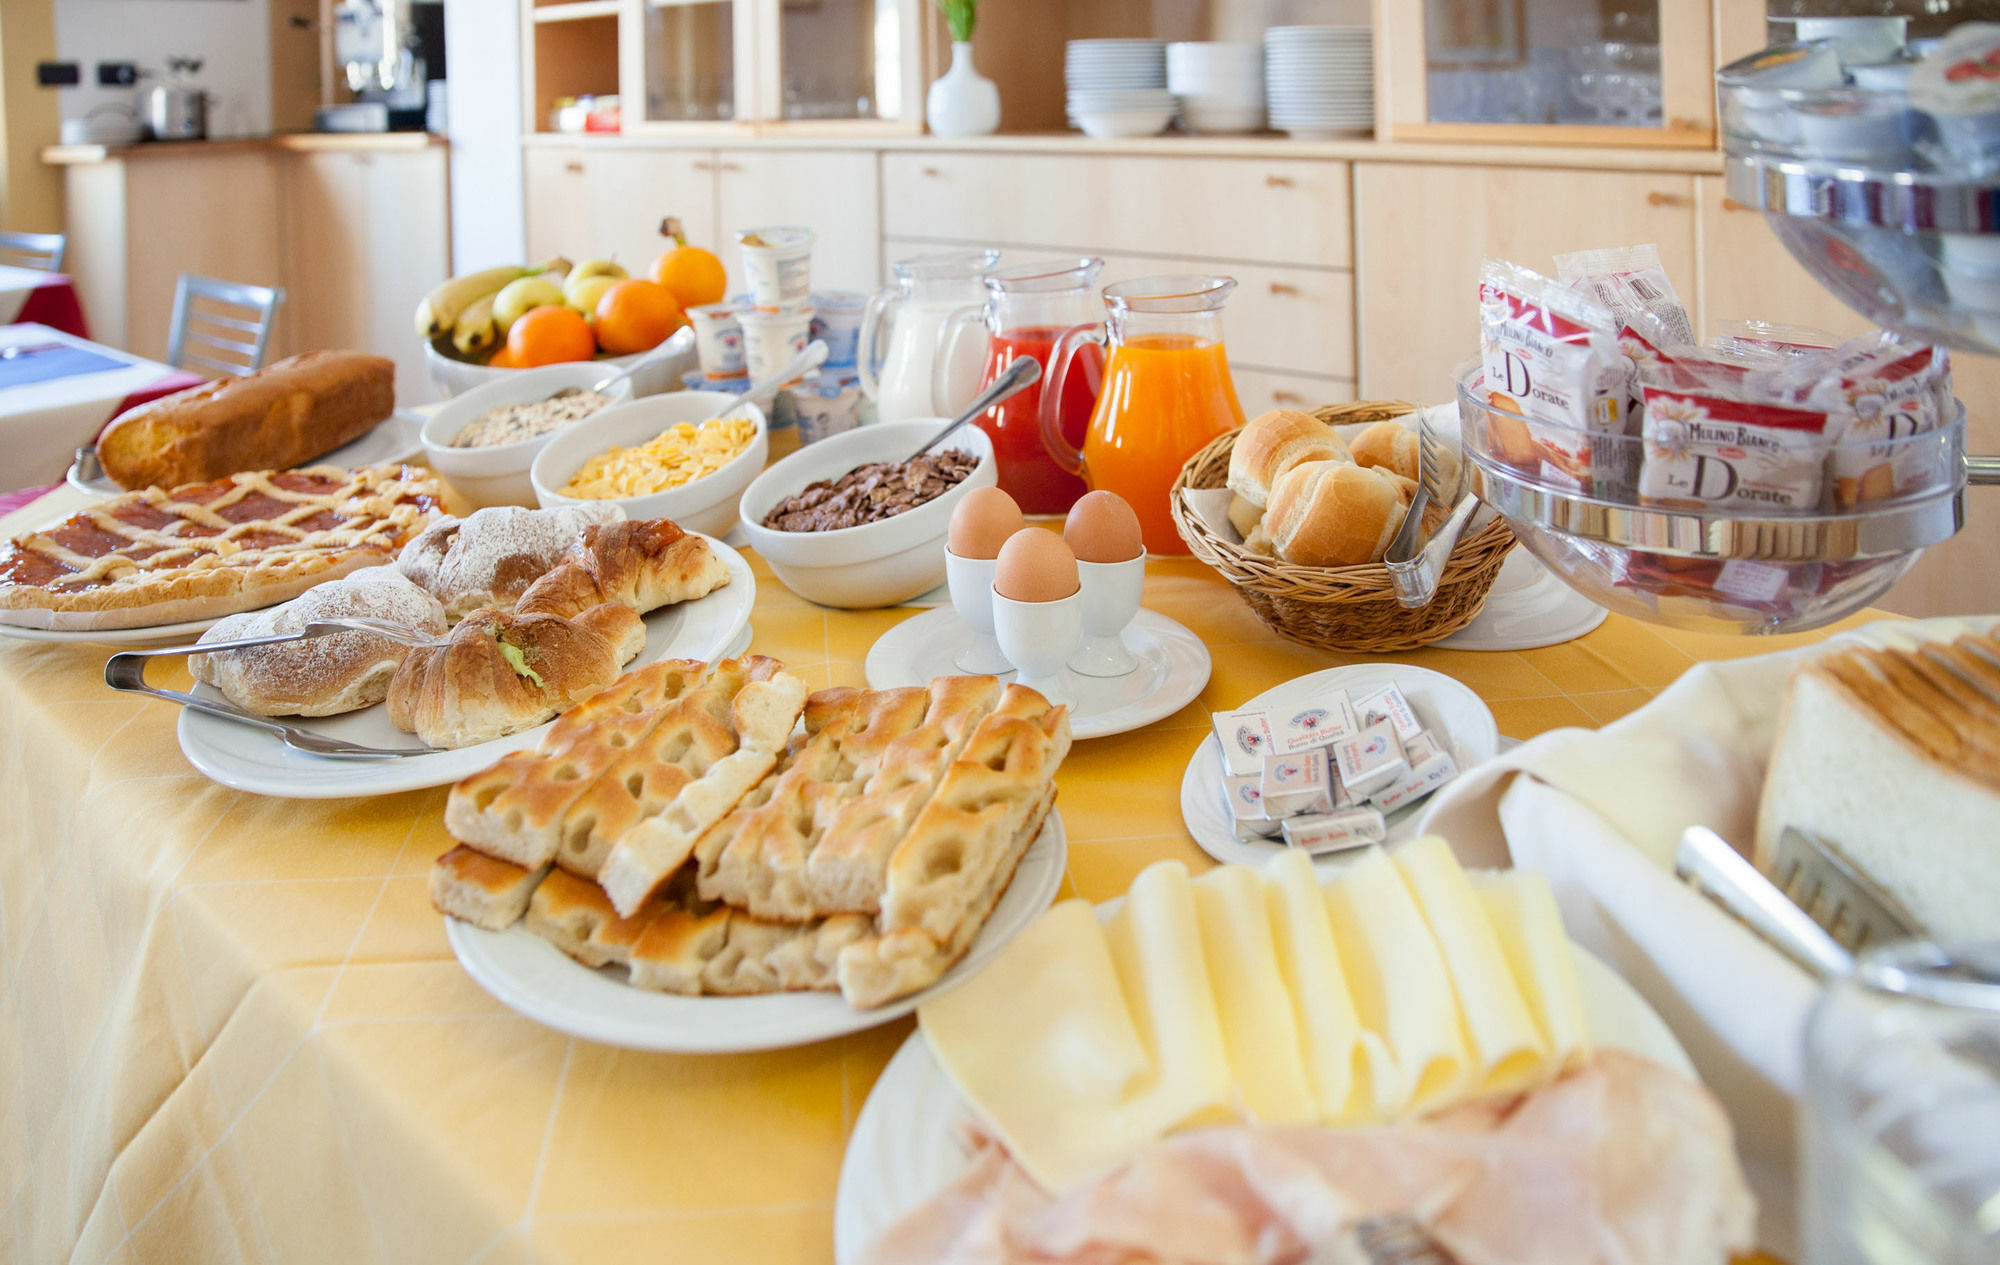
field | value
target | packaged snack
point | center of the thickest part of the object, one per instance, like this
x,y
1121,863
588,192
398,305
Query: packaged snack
x,y
1714,452
1371,759
1889,392
1551,358
1388,703
1317,722
1297,783
1245,738
1431,766
1246,808
1337,831
1628,280
1769,344
1958,85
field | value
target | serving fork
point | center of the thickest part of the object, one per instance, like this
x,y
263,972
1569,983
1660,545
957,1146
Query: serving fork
x,y
126,672
1414,563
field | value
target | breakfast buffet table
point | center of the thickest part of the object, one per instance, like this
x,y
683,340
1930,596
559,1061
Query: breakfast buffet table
x,y
237,1022
58,390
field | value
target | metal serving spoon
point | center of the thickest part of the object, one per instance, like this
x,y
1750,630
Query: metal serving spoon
x,y
1020,375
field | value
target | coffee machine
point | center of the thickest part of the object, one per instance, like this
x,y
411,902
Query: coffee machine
x,y
384,55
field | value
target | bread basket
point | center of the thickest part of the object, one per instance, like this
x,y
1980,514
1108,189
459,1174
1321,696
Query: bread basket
x,y
1351,609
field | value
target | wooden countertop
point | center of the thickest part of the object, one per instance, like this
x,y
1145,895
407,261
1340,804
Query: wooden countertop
x,y
1268,147
295,142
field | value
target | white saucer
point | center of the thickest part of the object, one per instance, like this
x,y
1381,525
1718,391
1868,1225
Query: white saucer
x,y
1450,711
256,760
534,978
905,1147
393,439
1526,608
1173,669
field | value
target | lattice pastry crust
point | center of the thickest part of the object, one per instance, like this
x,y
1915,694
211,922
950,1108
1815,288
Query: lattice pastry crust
x,y
210,549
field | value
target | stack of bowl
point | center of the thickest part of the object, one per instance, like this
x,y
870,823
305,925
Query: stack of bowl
x,y
1118,87
1320,80
1220,87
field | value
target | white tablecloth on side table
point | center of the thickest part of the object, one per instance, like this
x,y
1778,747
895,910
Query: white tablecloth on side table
x,y
43,423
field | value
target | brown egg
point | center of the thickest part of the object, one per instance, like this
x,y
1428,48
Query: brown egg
x,y
1035,566
1102,528
982,522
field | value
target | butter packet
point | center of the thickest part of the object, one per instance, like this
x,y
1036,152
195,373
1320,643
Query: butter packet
x,y
1297,783
1245,738
1319,721
1710,451
1430,767
1371,759
1247,814
1556,381
1388,703
1337,831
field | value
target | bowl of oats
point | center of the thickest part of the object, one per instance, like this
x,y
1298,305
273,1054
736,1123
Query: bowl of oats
x,y
678,456
484,442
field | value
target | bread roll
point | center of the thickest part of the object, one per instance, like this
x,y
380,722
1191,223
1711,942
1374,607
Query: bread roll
x,y
1244,516
1333,514
326,675
1272,445
1388,445
280,416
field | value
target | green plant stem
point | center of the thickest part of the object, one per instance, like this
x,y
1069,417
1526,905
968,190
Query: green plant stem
x,y
960,16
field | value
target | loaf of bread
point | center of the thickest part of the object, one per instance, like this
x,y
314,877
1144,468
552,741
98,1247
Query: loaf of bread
x,y
1893,757
1334,514
1275,443
280,416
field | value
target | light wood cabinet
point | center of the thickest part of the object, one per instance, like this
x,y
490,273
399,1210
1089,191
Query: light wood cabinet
x,y
1421,232
1278,210
1747,274
366,237
1261,390
588,202
834,191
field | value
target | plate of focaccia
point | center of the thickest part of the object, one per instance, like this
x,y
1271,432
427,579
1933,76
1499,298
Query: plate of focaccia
x,y
709,859
529,613
1262,1006
149,566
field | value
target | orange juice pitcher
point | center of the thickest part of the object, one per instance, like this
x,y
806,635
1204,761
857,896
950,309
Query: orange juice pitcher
x,y
1166,393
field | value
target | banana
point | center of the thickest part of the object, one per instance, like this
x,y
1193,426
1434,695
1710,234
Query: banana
x,y
439,312
474,333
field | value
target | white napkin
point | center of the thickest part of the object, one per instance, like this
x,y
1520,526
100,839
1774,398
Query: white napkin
x,y
1601,812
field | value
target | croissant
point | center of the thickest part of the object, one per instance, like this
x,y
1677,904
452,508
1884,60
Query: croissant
x,y
500,672
641,565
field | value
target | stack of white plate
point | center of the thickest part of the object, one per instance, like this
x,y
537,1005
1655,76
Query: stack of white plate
x,y
1320,80
1220,86
1118,87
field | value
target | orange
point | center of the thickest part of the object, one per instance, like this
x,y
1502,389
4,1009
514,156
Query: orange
x,y
636,316
695,276
549,335
502,359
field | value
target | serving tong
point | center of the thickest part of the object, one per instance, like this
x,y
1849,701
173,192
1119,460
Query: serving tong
x,y
1817,908
1415,564
126,672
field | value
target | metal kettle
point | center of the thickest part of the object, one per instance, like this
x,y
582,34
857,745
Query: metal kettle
x,y
177,110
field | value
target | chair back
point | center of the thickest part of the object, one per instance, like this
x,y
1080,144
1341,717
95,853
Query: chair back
x,y
221,326
42,252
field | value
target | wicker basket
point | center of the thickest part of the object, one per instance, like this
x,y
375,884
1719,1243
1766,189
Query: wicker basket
x,y
1340,608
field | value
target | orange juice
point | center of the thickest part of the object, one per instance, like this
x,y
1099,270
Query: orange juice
x,y
1164,396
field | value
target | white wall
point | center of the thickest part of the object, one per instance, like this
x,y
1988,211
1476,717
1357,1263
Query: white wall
x,y
232,37
488,217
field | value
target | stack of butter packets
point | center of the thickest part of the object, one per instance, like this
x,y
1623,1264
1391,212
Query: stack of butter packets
x,y
1324,773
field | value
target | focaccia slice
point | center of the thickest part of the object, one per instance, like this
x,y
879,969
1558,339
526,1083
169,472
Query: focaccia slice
x,y
478,889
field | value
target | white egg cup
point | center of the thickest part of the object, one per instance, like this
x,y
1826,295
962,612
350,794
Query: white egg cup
x,y
971,582
1111,593
1038,638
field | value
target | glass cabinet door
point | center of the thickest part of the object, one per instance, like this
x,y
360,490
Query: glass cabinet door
x,y
840,59
1586,63
690,54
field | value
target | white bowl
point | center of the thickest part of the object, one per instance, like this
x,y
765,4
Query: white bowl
x,y
707,505
454,377
1107,125
875,564
499,475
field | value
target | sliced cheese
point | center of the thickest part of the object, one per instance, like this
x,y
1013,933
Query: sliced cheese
x,y
1155,940
1507,1048
1260,1032
1522,910
1399,983
1041,1044
1345,1064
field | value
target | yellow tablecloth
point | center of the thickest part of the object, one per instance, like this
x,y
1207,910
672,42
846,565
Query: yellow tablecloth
x,y
234,1031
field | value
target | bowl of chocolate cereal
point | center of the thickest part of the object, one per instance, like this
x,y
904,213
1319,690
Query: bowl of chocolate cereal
x,y
485,441
856,521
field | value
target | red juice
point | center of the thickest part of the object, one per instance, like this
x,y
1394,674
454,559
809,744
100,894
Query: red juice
x,y
1027,472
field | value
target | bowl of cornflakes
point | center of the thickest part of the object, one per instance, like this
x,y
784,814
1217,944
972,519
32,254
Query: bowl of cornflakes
x,y
672,456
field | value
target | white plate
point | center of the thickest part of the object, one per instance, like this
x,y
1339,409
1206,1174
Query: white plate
x,y
534,978
905,1148
155,635
1527,607
1451,712
1173,669
255,760
393,439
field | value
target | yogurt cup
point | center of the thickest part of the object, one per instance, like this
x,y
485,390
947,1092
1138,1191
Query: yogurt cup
x,y
1756,102
772,338
778,263
837,322
718,338
1858,127
825,406
1858,39
1958,86
1887,76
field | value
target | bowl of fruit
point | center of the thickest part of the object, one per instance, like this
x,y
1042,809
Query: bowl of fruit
x,y
482,325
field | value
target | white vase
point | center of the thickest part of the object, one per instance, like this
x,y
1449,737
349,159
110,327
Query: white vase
x,y
963,102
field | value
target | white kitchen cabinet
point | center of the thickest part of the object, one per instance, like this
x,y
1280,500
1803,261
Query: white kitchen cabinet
x,y
587,202
832,191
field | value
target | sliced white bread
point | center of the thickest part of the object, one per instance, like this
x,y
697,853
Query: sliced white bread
x,y
1893,756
